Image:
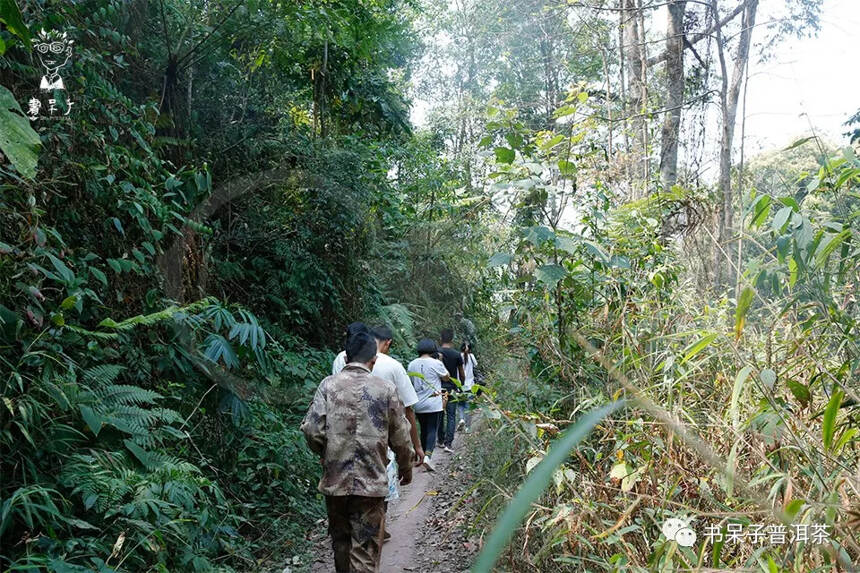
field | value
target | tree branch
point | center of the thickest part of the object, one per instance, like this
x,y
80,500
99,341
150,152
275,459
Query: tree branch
x,y
701,35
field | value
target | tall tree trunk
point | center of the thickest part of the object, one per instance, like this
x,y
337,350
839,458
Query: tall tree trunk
x,y
633,56
729,95
674,93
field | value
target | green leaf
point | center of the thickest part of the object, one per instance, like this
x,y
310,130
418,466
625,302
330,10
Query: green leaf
x,y
65,272
825,249
99,275
799,142
11,16
736,394
771,565
595,250
567,167
789,201
744,303
768,377
515,140
698,346
118,225
566,244
538,480
505,155
550,143
847,436
539,234
781,218
828,423
500,259
19,143
761,212
793,507
93,420
792,272
550,274
800,391
68,302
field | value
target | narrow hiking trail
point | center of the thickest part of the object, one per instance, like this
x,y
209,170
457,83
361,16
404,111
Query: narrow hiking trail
x,y
428,523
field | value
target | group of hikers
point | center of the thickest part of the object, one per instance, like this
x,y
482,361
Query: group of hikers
x,y
372,421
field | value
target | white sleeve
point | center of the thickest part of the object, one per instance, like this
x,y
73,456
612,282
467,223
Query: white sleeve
x,y
405,390
338,364
440,368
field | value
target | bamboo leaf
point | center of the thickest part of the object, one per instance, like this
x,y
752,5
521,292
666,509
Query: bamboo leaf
x,y
744,303
538,480
736,394
828,423
698,347
847,436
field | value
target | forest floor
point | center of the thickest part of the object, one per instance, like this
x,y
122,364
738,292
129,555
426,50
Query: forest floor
x,y
428,523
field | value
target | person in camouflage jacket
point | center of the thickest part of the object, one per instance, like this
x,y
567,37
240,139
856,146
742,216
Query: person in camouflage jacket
x,y
353,419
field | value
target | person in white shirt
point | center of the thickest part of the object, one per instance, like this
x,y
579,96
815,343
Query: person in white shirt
x,y
427,375
389,369
469,363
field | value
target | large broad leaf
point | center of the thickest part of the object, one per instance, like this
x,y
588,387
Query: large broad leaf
x,y
550,274
538,480
11,16
596,251
500,259
781,218
566,244
18,141
504,155
539,234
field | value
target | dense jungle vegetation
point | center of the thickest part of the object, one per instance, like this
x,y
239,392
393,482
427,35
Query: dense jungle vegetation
x,y
226,185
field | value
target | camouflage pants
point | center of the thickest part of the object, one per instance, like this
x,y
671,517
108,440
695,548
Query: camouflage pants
x,y
355,524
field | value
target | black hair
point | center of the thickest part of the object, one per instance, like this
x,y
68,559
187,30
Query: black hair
x,y
426,346
466,345
353,329
382,333
361,347
447,335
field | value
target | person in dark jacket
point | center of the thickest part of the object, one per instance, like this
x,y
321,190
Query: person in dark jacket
x,y
453,362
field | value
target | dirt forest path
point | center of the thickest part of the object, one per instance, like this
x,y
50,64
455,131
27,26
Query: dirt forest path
x,y
427,524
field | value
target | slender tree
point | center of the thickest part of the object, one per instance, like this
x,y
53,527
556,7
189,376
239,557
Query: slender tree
x,y
674,99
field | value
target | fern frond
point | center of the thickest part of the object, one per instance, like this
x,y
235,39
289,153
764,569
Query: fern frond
x,y
103,374
126,394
